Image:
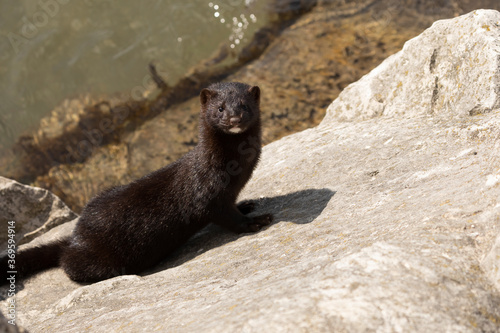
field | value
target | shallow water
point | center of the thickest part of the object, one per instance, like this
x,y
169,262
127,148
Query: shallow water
x,y
56,49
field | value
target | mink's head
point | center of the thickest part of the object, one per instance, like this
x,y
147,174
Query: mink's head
x,y
231,107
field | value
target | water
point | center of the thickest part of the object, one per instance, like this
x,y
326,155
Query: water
x,y
56,49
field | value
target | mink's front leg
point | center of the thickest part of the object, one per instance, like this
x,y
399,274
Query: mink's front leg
x,y
234,220
246,207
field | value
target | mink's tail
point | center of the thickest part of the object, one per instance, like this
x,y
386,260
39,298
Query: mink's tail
x,y
30,261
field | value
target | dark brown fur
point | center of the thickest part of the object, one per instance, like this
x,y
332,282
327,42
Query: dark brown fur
x,y
127,229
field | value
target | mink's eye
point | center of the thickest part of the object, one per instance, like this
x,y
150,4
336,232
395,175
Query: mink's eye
x,y
221,109
244,107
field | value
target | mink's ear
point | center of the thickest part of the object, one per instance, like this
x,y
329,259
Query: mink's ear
x,y
206,95
255,92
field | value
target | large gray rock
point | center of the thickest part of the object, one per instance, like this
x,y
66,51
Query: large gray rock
x,y
450,69
34,211
380,224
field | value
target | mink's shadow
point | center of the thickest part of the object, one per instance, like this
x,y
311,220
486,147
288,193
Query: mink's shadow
x,y
299,207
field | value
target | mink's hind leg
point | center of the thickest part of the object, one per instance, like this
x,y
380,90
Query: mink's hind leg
x,y
86,266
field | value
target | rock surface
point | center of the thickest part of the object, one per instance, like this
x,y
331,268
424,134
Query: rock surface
x,y
491,262
381,223
34,211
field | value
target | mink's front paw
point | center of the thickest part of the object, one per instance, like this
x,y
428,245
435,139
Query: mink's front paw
x,y
246,207
260,221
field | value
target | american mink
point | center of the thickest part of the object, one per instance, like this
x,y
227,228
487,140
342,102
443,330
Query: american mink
x,y
129,228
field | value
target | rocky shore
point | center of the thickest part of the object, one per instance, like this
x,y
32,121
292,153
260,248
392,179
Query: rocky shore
x,y
387,216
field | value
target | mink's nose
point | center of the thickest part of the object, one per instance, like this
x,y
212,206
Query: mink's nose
x,y
235,121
